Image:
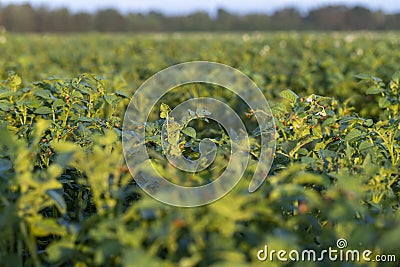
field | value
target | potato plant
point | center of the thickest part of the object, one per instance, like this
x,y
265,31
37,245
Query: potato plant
x,y
68,199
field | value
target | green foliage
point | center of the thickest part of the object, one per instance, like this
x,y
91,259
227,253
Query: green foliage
x,y
67,198
389,94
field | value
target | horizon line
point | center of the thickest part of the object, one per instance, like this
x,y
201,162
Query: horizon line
x,y
302,10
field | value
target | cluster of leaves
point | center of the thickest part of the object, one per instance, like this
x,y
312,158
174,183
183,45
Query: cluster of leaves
x,y
327,139
182,139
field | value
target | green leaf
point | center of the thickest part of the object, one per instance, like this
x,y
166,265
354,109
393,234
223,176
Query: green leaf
x,y
202,112
133,258
43,111
373,90
280,108
353,135
124,94
302,151
5,105
111,99
307,160
328,122
45,227
365,145
288,146
363,76
5,94
33,103
308,178
45,94
40,127
330,113
5,165
65,147
326,153
16,80
317,131
84,90
289,95
60,251
376,79
384,102
396,77
58,103
58,199
85,119
77,95
164,111
368,122
189,131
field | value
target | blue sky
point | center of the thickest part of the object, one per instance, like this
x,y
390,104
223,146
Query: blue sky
x,y
186,6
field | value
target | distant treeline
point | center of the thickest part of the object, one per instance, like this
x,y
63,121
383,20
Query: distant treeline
x,y
25,18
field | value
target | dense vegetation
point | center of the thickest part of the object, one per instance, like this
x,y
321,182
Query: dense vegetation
x,y
26,18
67,198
